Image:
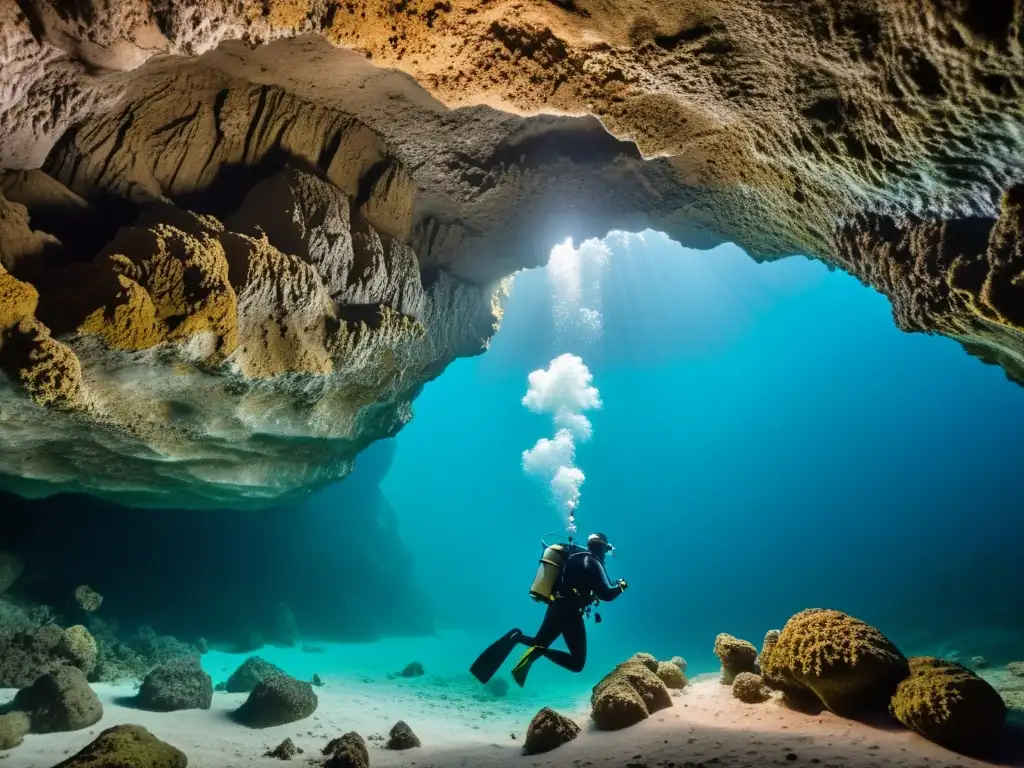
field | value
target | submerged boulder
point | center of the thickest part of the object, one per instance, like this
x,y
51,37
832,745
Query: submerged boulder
x,y
848,665
671,675
347,751
59,701
286,750
735,655
176,684
497,687
547,731
26,655
78,646
402,737
680,662
126,746
278,700
13,727
251,673
749,688
947,703
628,694
412,669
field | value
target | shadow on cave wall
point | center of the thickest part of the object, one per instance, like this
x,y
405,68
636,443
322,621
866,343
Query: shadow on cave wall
x,y
335,560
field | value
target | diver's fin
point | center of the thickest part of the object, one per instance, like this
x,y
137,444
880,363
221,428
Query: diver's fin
x,y
490,660
522,669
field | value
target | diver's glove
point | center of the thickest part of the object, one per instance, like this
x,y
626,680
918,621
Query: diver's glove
x,y
622,585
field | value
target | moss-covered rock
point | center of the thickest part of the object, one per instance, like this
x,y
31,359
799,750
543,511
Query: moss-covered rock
x,y
347,751
646,659
59,701
251,673
735,655
680,662
618,706
26,655
848,665
671,675
628,694
947,703
126,746
175,685
749,688
78,646
278,700
13,727
547,731
402,737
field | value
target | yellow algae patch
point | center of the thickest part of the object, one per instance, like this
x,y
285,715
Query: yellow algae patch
x,y
175,285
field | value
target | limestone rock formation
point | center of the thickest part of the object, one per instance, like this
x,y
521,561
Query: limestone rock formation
x,y
125,745
177,684
735,655
547,731
628,694
59,701
235,241
749,688
850,666
347,751
277,700
251,673
401,737
950,705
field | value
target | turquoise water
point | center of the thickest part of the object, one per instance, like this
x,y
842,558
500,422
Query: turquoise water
x,y
768,442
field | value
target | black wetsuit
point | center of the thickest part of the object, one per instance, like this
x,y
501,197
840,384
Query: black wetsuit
x,y
584,579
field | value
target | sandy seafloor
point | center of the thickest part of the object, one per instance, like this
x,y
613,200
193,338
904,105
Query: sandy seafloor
x,y
462,725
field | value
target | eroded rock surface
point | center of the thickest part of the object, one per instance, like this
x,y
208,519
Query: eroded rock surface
x,y
225,271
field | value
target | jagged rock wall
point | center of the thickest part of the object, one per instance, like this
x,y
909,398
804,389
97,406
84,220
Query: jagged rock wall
x,y
877,135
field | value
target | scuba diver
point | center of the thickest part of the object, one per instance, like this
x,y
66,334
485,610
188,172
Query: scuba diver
x,y
570,580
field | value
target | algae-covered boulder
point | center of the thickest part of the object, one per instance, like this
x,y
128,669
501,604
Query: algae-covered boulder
x,y
59,701
680,662
176,684
947,703
402,737
497,687
849,666
126,746
646,659
13,727
278,700
347,751
628,694
547,731
286,750
249,674
735,655
26,655
78,646
618,706
749,688
88,599
671,675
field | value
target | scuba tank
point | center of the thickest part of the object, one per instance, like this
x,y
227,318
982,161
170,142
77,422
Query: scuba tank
x,y
550,569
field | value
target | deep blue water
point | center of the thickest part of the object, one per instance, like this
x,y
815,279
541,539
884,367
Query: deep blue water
x,y
768,441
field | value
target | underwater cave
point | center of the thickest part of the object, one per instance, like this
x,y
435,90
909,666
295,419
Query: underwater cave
x,y
682,317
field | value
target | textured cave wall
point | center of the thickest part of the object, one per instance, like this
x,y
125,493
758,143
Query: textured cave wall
x,y
336,560
249,232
